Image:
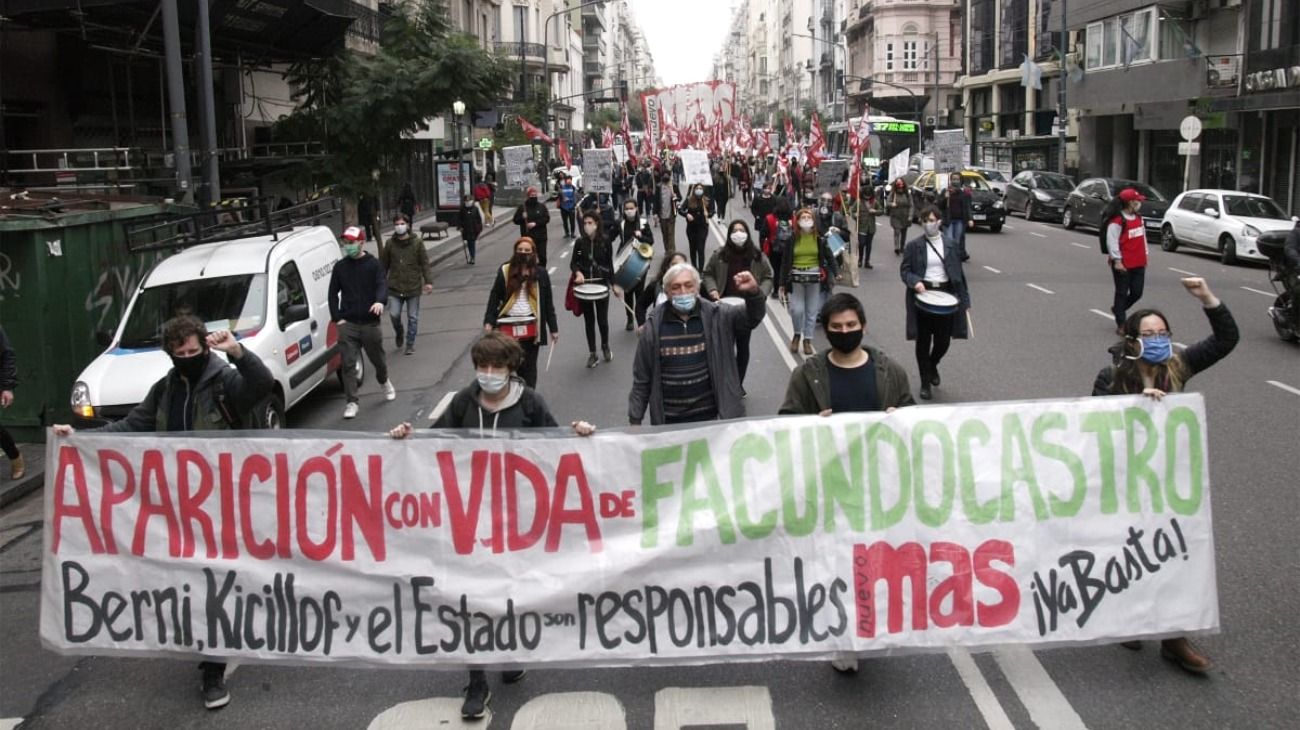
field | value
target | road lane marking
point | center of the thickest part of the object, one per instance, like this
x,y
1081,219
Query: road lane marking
x,y
987,702
1184,272
1283,386
439,712
551,270
1008,227
1039,288
1100,313
566,710
990,268
1036,233
1047,707
1260,291
781,348
679,707
442,406
1080,245
564,255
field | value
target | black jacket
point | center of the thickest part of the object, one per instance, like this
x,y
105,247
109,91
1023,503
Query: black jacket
x,y
627,229
356,284
527,411
222,399
545,319
1197,357
1291,253
538,214
8,363
785,277
912,270
595,259
955,207
698,221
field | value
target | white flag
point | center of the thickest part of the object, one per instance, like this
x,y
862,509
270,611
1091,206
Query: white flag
x,y
1031,74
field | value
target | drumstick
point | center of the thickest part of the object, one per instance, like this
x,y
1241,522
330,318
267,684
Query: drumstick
x,y
970,326
549,355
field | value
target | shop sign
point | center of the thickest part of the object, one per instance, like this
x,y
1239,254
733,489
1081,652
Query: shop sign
x,y
1274,80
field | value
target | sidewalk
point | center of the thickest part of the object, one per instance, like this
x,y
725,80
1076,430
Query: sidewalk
x,y
440,249
12,490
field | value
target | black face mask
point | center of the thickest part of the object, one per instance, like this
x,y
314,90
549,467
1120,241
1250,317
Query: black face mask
x,y
845,342
524,259
191,368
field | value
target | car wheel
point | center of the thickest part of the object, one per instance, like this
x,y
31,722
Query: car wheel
x,y
1029,210
1168,241
1067,219
271,414
1227,250
996,227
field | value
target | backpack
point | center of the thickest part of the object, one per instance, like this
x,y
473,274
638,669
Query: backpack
x,y
1101,237
784,237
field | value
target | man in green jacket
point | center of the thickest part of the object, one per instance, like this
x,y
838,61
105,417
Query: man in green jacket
x,y
406,262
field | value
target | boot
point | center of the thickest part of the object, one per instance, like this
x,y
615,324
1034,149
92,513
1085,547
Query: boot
x,y
794,344
1181,652
17,468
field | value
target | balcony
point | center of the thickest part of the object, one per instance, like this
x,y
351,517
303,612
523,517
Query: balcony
x,y
595,14
827,60
530,52
592,68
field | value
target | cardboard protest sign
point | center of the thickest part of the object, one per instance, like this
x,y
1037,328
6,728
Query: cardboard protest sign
x,y
830,175
519,166
1037,522
598,170
695,167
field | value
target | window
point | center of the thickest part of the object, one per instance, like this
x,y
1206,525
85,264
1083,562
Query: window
x,y
1176,39
909,56
1189,202
521,24
1135,36
1110,41
1124,40
889,56
288,292
1093,43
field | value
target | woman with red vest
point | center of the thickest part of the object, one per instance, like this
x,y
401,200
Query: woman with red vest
x,y
1126,251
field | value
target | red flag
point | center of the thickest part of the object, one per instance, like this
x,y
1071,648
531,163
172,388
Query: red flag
x,y
533,133
564,153
789,133
607,139
816,142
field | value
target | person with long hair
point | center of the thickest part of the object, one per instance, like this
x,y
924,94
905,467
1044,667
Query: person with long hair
x,y
697,210
633,230
932,262
898,204
1145,362
523,289
739,253
780,233
807,272
593,259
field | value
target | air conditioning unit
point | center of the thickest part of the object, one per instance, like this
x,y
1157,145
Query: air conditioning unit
x,y
931,121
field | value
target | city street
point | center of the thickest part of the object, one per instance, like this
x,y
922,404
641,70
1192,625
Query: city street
x,y
1040,296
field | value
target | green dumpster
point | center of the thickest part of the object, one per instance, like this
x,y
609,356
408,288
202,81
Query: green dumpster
x,y
66,276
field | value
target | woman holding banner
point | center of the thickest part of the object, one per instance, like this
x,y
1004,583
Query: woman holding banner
x,y
497,399
521,296
1145,362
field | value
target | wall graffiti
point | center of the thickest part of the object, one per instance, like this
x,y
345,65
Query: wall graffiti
x,y
10,278
108,298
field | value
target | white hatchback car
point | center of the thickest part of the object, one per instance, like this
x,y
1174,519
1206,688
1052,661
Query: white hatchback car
x,y
1224,221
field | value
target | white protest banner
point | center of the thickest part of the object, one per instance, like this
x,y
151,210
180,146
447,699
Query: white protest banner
x,y
598,170
898,164
1035,522
695,167
947,149
519,165
620,152
830,175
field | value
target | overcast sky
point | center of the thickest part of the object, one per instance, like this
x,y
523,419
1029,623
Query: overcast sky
x,y
683,35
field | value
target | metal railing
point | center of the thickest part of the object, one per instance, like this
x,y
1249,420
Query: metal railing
x,y
256,217
521,50
366,24
88,159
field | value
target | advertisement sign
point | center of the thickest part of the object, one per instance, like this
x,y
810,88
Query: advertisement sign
x,y
449,176
1034,522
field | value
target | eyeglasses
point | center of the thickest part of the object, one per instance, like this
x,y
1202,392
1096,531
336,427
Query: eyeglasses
x,y
1163,333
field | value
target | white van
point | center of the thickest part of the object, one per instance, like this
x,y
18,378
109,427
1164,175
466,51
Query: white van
x,y
271,291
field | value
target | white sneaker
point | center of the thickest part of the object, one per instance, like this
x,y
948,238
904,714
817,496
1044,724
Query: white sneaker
x,y
845,664
390,393
350,410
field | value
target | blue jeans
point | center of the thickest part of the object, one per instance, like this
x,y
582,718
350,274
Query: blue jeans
x,y
957,232
412,304
805,305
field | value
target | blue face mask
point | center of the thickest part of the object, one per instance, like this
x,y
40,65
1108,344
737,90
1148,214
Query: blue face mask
x,y
684,303
1157,349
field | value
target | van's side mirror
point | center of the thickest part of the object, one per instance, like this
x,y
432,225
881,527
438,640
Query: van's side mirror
x,y
295,313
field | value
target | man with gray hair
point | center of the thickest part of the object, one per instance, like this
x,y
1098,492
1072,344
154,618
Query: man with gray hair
x,y
685,366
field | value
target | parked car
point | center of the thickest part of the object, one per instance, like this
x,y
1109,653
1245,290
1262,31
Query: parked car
x,y
1085,204
987,210
270,291
1038,194
995,179
1225,221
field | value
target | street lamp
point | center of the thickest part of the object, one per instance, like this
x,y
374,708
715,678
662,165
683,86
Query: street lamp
x,y
458,111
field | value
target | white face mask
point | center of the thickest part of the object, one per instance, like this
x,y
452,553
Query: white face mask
x,y
739,238
805,224
400,229
590,229
492,383
629,214
931,228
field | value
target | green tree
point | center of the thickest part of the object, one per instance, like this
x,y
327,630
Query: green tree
x,y
361,105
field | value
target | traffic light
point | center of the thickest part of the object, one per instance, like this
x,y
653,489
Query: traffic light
x,y
622,89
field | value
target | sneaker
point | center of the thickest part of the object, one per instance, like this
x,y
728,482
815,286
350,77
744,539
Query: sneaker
x,y
390,393
477,697
17,467
410,349
592,360
215,695
845,664
350,410
609,356
512,677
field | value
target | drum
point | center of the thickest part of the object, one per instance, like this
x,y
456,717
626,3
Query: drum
x,y
523,329
589,292
631,265
732,301
937,302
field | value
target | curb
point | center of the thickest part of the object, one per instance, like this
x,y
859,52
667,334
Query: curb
x,y
22,488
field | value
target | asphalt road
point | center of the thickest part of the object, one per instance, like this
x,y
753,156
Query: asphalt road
x,y
1036,293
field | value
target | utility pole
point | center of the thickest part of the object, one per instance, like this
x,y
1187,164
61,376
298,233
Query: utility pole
x,y
176,101
1061,110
